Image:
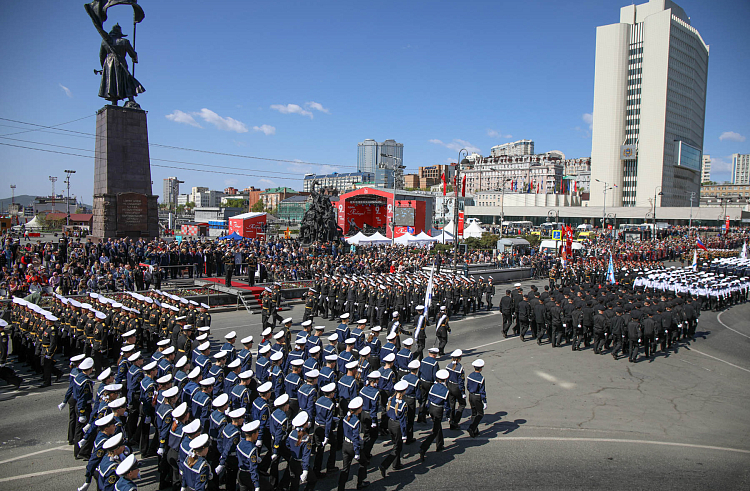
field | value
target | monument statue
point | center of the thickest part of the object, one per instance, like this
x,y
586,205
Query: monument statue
x,y
118,83
319,222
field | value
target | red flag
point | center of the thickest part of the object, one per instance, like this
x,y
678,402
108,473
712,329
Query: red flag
x,y
463,186
575,186
445,184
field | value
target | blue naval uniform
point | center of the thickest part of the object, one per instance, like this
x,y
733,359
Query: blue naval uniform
x,y
217,373
71,385
310,364
175,436
343,332
262,365
147,393
306,396
301,452
344,358
330,350
413,385
246,359
230,381
231,352
359,338
327,376
403,357
371,401
313,340
107,473
202,407
240,397
123,484
427,369
247,458
324,413
260,412
97,454
438,397
122,374
296,354
216,424
292,384
386,380
230,437
163,423
475,385
183,453
347,388
83,393
165,367
386,350
278,427
396,411
375,347
351,432
102,409
197,476
277,380
204,363
456,375
363,368
188,391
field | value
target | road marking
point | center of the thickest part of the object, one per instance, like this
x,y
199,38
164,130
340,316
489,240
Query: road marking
x,y
555,380
719,359
62,447
718,318
613,440
44,473
489,344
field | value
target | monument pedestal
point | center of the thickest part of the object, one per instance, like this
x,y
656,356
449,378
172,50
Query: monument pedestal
x,y
123,203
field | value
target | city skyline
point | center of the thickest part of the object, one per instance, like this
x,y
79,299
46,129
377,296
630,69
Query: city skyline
x,y
428,98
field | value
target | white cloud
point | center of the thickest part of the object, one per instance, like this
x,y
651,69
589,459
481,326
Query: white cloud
x,y
266,129
269,182
497,134
318,107
588,118
721,164
180,117
456,145
66,90
230,182
224,124
732,136
291,109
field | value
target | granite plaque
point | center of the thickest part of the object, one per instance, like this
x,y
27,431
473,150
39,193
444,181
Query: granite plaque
x,y
132,212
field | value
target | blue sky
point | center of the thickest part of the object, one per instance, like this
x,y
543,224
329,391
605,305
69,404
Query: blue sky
x,y
308,80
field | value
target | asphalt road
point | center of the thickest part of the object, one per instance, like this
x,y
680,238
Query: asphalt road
x,y
557,419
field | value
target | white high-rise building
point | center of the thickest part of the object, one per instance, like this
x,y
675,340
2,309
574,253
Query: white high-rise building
x,y
518,148
740,168
649,107
706,169
171,191
370,159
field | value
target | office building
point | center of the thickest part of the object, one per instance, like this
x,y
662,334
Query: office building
x,y
725,191
293,208
706,169
433,174
171,191
340,182
273,196
370,159
740,168
649,107
536,174
517,149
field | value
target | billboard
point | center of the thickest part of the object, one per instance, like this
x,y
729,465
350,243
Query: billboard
x,y
627,152
248,225
403,217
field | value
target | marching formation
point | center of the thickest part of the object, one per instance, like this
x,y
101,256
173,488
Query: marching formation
x,y
236,415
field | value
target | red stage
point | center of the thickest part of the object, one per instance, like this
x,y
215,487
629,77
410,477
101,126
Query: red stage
x,y
374,207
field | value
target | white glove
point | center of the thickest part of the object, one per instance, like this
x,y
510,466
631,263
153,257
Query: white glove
x,y
81,442
374,425
697,321
403,439
60,406
147,420
183,489
356,457
84,487
303,477
484,406
565,325
259,443
87,427
160,452
81,419
257,489
219,468
274,457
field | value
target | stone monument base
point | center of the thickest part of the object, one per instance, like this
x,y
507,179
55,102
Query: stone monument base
x,y
123,203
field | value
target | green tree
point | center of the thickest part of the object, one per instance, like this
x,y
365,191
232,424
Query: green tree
x,y
257,206
235,203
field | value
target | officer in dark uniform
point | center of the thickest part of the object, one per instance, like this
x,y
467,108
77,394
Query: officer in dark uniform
x,y
228,261
506,308
477,396
49,341
489,292
252,265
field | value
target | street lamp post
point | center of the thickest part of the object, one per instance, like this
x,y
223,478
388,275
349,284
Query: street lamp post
x,y
393,217
67,203
457,184
604,208
502,200
660,193
690,222
13,201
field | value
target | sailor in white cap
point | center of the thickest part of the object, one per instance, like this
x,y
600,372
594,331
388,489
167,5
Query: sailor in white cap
x,y
83,395
308,393
347,387
248,457
456,384
410,397
300,448
105,428
328,370
228,346
477,396
442,329
107,470
342,331
128,472
437,400
352,448
245,355
396,411
196,469
229,438
148,411
202,399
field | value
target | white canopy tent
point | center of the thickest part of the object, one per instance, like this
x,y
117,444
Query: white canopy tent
x,y
376,238
356,239
425,237
34,223
409,239
474,230
443,237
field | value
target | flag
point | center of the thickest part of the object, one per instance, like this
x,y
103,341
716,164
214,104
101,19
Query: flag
x,y
611,271
575,186
463,186
700,244
695,260
445,184
97,10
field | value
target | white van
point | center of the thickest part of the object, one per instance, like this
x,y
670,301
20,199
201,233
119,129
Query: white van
x,y
585,227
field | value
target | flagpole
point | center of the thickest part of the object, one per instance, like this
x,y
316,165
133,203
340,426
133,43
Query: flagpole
x,y
135,25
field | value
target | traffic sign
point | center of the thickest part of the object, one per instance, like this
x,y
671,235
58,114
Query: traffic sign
x,y
557,234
